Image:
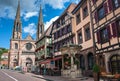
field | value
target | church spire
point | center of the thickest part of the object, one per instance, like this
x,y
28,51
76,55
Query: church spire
x,y
40,27
17,30
40,15
18,11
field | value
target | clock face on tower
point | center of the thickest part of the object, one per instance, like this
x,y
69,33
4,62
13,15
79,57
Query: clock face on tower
x,y
28,46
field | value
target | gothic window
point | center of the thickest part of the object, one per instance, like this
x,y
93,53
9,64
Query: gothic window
x,y
28,46
16,46
115,64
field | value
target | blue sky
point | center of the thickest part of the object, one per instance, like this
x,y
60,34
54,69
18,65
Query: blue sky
x,y
29,16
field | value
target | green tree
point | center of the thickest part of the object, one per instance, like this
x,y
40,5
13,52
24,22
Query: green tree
x,y
2,50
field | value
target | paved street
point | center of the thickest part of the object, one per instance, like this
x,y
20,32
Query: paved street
x,y
9,75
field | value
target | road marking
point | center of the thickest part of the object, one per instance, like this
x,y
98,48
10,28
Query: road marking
x,y
10,76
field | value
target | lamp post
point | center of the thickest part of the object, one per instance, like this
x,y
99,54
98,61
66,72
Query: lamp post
x,y
71,50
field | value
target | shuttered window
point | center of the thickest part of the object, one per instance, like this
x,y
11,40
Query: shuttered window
x,y
104,35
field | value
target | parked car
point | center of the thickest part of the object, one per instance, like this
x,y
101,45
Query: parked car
x,y
18,68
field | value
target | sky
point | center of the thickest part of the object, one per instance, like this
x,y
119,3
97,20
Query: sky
x,y
51,10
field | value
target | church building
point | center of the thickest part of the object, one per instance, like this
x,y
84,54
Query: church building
x,y
22,51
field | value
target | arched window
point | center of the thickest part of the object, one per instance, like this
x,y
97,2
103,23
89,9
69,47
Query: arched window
x,y
115,64
82,62
16,46
90,61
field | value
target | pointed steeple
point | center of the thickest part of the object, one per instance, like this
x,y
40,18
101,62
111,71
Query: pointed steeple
x,y
17,30
18,11
40,15
40,27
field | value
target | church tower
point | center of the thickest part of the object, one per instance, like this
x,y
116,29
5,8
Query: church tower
x,y
40,27
17,30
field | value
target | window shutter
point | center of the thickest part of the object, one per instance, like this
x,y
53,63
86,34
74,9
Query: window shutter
x,y
98,37
114,29
96,16
109,32
110,5
105,8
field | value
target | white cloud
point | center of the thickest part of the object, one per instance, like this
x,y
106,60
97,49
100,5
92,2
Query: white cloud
x,y
48,23
8,7
56,4
31,29
30,14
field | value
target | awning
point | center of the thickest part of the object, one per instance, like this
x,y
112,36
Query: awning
x,y
45,61
57,58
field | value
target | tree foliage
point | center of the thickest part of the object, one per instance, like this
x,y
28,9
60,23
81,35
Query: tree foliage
x,y
3,50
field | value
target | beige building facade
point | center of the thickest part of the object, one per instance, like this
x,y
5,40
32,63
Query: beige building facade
x,y
106,23
84,37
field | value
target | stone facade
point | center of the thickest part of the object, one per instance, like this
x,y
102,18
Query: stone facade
x,y
21,50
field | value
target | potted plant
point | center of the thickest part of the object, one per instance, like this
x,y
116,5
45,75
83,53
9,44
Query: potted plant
x,y
96,70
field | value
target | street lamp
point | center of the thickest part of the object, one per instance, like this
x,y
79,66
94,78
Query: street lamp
x,y
71,50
